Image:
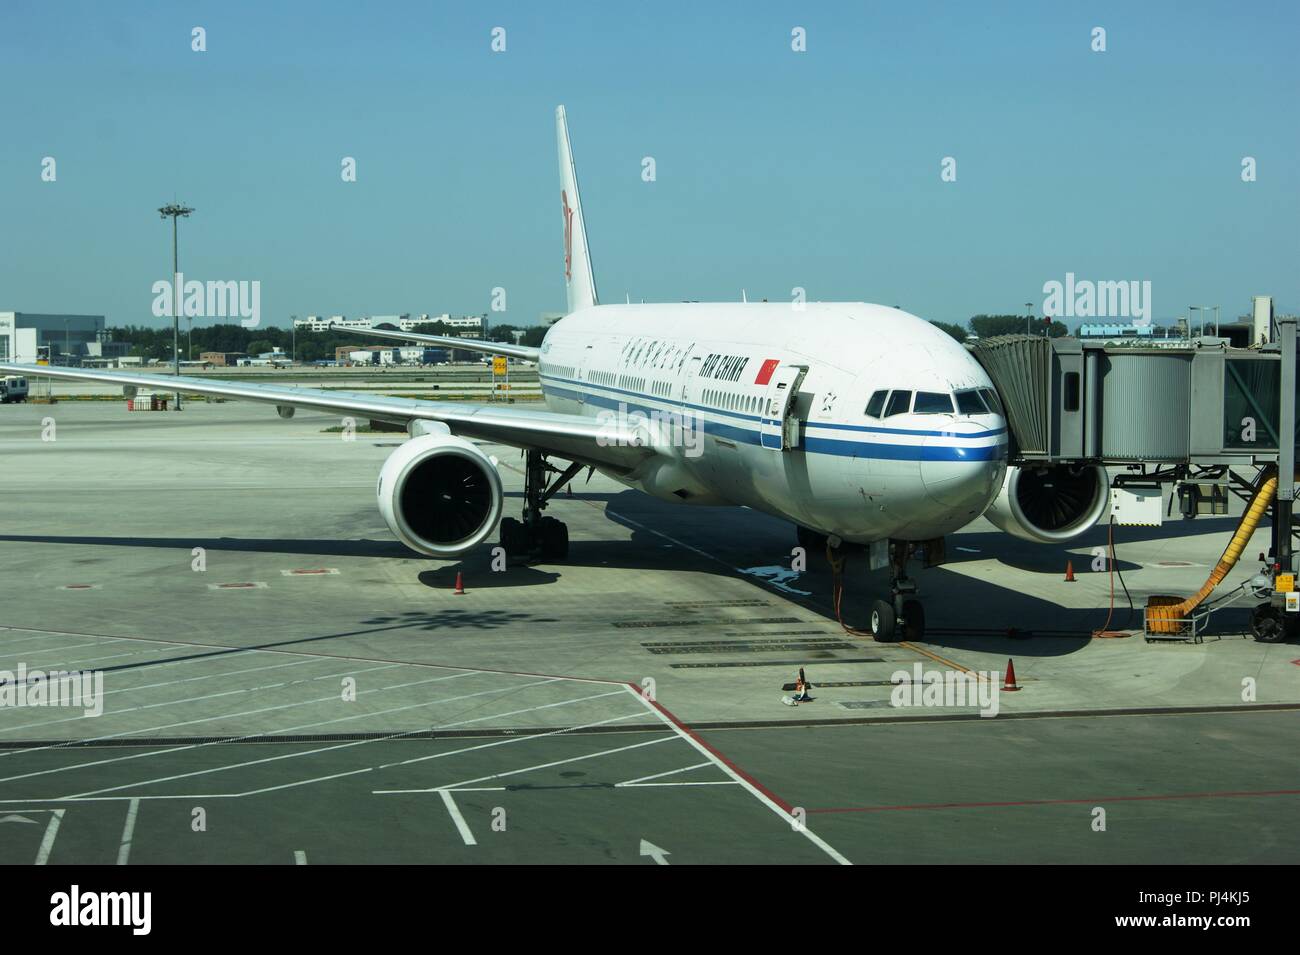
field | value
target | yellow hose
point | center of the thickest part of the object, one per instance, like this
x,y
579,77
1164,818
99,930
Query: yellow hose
x,y
1169,614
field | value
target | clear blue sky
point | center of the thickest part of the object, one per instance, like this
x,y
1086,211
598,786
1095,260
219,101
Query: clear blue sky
x,y
775,169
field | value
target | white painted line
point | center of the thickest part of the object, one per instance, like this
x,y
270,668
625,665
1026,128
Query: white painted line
x,y
506,742
671,772
51,833
461,826
45,635
128,831
529,769
714,782
674,540
75,646
41,724
255,762
750,787
530,709
65,663
299,857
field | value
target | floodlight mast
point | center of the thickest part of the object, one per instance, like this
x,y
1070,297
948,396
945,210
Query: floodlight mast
x,y
175,210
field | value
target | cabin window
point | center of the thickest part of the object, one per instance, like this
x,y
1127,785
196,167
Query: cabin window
x,y
970,403
876,404
992,400
932,402
899,402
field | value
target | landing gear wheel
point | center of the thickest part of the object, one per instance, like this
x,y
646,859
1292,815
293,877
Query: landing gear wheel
x,y
913,620
883,624
554,537
1266,624
514,537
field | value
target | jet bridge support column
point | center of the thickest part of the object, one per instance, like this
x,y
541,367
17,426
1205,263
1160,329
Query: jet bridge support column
x,y
1282,556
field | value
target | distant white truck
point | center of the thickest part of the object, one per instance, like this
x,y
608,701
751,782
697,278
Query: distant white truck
x,y
13,388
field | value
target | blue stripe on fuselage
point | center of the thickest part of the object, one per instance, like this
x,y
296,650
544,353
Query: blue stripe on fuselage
x,y
811,444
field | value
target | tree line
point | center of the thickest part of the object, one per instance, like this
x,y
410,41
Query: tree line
x,y
156,343
988,326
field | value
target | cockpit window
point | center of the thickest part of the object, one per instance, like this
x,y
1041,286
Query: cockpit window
x,y
899,402
970,402
992,400
877,403
932,402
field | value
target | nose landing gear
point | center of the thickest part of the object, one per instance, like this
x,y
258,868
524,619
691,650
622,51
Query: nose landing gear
x,y
902,617
537,537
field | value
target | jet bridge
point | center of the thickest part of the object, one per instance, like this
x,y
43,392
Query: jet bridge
x,y
1199,414
1195,405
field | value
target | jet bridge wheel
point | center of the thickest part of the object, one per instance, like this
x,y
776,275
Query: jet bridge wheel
x,y
1266,624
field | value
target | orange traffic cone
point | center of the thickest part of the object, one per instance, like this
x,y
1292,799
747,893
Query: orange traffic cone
x,y
1069,572
460,583
1009,680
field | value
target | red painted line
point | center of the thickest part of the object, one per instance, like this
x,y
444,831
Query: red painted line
x,y
785,806
1063,802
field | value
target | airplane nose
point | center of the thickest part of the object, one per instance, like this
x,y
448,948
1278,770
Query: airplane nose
x,y
962,473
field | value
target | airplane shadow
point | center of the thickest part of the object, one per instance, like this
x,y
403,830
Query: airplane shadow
x,y
964,610
302,548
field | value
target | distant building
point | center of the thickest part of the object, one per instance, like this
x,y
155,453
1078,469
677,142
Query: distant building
x,y
222,359
65,339
470,326
1116,330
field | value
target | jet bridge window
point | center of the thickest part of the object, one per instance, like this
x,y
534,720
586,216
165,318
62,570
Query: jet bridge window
x,y
899,402
970,403
876,403
932,402
1070,383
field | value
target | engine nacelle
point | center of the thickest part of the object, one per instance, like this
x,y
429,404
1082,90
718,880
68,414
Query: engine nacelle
x,y
439,494
1050,504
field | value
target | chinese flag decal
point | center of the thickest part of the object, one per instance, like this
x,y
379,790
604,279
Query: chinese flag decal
x,y
765,370
568,237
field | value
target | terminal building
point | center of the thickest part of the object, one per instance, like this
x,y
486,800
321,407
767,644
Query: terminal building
x,y
469,326
27,337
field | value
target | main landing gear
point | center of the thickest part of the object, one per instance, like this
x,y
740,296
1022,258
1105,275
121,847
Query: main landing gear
x,y
537,537
902,617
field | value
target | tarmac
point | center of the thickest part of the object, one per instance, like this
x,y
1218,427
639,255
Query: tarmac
x,y
283,682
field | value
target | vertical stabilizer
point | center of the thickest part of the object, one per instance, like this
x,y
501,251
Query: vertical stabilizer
x,y
579,281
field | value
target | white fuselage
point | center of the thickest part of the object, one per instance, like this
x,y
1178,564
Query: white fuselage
x,y
819,459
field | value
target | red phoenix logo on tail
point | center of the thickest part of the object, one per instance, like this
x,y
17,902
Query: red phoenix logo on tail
x,y
568,236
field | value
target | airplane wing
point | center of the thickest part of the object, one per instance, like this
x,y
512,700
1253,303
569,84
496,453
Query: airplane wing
x,y
447,341
570,436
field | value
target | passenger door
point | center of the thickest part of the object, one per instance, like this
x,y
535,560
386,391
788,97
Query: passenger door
x,y
779,429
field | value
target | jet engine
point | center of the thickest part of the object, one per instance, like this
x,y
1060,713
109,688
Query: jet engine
x,y
439,494
1050,504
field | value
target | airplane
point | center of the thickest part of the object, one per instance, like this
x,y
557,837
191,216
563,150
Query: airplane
x,y
860,424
